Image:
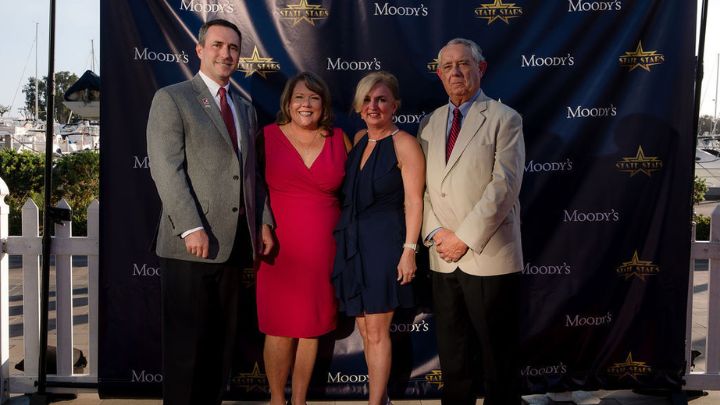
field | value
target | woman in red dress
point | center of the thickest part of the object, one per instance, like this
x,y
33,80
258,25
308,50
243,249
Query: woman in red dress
x,y
304,168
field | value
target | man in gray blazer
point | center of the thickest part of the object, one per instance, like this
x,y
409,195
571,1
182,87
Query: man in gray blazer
x,y
201,145
475,157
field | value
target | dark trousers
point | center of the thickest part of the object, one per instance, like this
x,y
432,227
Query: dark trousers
x,y
199,323
477,331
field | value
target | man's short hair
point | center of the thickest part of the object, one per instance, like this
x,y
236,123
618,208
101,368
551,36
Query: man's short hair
x,y
475,49
223,23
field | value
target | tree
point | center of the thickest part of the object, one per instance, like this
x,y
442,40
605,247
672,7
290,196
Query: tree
x,y
63,81
4,109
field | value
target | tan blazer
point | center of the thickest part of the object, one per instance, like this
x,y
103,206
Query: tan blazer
x,y
476,193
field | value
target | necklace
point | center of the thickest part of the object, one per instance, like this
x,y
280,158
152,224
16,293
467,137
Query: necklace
x,y
379,139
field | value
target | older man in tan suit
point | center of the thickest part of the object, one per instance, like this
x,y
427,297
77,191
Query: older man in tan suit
x,y
475,156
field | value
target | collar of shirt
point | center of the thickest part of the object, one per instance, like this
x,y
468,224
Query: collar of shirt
x,y
213,87
464,108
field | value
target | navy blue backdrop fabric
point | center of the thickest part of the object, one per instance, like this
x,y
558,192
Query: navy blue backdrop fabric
x,y
605,89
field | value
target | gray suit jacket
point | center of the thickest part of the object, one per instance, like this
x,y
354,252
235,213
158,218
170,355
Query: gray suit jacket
x,y
197,174
476,193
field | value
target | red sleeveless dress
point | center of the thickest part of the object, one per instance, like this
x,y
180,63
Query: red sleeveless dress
x,y
295,296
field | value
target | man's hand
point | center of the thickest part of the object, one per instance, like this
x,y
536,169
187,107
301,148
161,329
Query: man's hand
x,y
197,243
449,246
267,240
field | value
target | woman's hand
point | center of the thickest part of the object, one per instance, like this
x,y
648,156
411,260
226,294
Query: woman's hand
x,y
406,268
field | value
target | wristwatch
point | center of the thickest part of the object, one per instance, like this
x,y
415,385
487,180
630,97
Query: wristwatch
x,y
412,246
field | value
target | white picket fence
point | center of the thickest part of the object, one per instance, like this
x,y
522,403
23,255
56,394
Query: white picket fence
x,y
709,379
64,246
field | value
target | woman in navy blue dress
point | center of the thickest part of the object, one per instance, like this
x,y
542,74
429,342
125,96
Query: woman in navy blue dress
x,y
382,204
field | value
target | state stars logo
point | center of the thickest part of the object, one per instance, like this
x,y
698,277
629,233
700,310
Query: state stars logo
x,y
253,381
433,65
256,64
637,268
303,11
629,368
497,10
639,164
640,58
434,377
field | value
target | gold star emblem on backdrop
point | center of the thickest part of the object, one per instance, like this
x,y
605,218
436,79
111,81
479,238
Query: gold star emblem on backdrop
x,y
632,368
253,381
250,65
635,267
641,58
498,11
304,11
640,163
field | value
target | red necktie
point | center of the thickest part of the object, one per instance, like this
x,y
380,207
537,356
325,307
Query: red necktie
x,y
227,116
454,132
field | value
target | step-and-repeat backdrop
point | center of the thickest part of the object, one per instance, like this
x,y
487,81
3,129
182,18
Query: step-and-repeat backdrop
x,y
605,89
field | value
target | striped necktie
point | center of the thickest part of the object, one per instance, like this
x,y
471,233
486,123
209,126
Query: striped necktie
x,y
454,132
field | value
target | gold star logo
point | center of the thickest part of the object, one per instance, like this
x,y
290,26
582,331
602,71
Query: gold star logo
x,y
639,164
434,377
303,11
497,10
638,268
256,64
253,381
433,65
641,58
629,368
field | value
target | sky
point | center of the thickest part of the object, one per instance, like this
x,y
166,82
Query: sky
x,y
78,23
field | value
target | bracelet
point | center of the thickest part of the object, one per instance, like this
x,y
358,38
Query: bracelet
x,y
412,246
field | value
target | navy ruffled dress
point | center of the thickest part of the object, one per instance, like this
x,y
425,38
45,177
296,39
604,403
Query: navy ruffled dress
x,y
371,233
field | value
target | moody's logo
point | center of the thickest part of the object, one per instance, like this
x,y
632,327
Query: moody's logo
x,y
497,10
303,11
582,5
547,269
640,58
145,271
562,166
339,378
205,7
591,112
540,61
140,162
554,369
639,164
591,216
387,9
421,326
257,64
408,118
572,321
143,376
146,54
355,65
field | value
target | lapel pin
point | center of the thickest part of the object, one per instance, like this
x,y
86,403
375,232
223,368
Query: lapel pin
x,y
205,102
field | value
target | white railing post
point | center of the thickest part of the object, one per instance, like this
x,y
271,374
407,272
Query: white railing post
x,y
4,297
712,362
93,233
63,298
31,288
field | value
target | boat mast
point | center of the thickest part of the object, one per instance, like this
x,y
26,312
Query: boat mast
x,y
37,85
